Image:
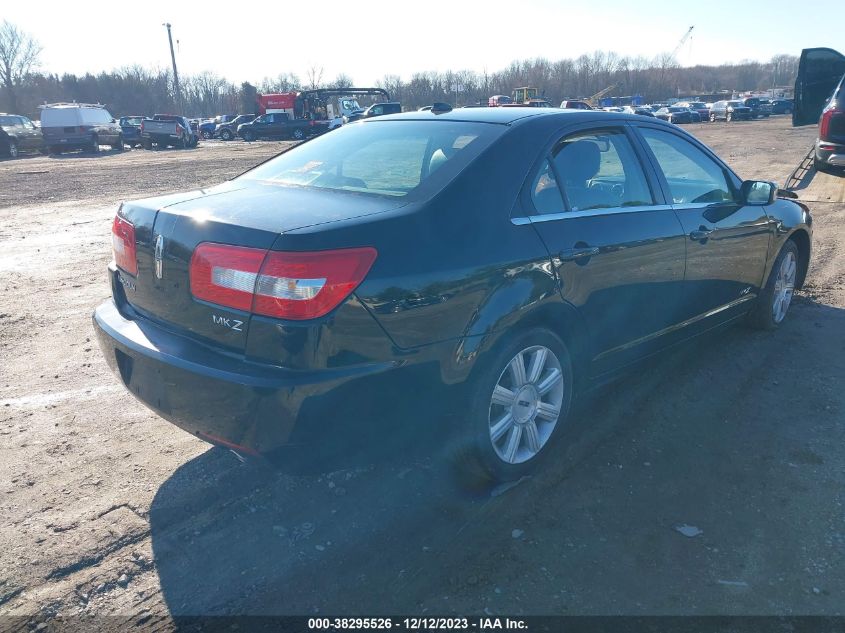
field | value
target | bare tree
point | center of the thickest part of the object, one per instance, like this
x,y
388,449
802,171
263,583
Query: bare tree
x,y
315,77
18,57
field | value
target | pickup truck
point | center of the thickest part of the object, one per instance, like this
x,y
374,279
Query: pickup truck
x,y
168,129
276,125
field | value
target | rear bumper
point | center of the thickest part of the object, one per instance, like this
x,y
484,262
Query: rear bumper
x,y
226,400
830,153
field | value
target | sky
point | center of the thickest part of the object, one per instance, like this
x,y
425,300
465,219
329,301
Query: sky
x,y
399,37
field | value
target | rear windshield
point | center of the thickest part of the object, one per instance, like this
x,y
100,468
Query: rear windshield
x,y
132,120
388,158
736,103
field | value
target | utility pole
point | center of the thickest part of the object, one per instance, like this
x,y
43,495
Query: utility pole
x,y
175,73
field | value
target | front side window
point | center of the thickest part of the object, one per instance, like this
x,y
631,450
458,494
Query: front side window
x,y
692,176
391,158
600,170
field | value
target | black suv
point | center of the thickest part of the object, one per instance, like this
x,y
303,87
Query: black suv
x,y
758,110
729,111
19,134
830,145
229,130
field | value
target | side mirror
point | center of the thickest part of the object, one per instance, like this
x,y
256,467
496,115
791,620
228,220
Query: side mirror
x,y
758,192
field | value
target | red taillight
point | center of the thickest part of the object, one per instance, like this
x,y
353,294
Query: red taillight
x,y
285,285
225,274
827,117
179,129
82,129
123,245
308,285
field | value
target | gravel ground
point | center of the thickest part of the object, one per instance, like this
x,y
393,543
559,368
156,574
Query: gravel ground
x,y
711,483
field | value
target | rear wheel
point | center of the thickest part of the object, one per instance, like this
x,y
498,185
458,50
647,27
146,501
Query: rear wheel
x,y
119,145
775,299
298,134
712,118
249,136
518,402
206,135
728,117
226,135
13,149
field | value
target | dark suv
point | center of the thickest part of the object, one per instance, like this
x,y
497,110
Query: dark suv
x,y
19,134
830,145
229,130
730,111
758,110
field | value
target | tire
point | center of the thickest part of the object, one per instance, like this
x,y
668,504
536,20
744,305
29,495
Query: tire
x,y
249,136
728,117
788,111
54,150
207,135
298,134
226,135
496,407
182,143
712,118
95,145
12,149
119,145
147,145
775,299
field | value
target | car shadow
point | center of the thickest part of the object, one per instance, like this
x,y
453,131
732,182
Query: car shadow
x,y
399,534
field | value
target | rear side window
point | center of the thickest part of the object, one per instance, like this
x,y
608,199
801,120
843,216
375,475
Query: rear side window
x,y
600,170
389,158
692,176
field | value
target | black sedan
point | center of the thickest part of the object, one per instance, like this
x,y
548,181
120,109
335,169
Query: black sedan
x,y
492,262
678,114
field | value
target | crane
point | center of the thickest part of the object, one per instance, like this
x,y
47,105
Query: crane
x,y
682,41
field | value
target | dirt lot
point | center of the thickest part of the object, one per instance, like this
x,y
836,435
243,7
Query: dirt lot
x,y
107,509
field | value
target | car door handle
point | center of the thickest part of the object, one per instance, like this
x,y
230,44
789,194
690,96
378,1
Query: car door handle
x,y
582,252
701,234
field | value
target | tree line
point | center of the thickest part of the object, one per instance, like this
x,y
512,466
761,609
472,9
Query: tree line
x,y
139,90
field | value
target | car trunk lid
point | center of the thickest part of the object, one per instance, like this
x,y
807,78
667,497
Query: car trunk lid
x,y
168,229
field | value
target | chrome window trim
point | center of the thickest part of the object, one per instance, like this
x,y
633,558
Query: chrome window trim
x,y
528,219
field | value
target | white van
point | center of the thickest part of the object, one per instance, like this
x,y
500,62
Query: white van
x,y
79,126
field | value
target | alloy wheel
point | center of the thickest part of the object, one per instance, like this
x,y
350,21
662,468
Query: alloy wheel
x,y
13,149
525,405
784,287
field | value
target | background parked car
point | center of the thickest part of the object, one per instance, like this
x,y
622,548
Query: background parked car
x,y
278,125
756,108
782,106
229,130
165,130
575,104
377,109
730,111
697,106
79,126
641,110
677,114
131,127
19,134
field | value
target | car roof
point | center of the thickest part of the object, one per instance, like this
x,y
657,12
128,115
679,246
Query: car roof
x,y
502,116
